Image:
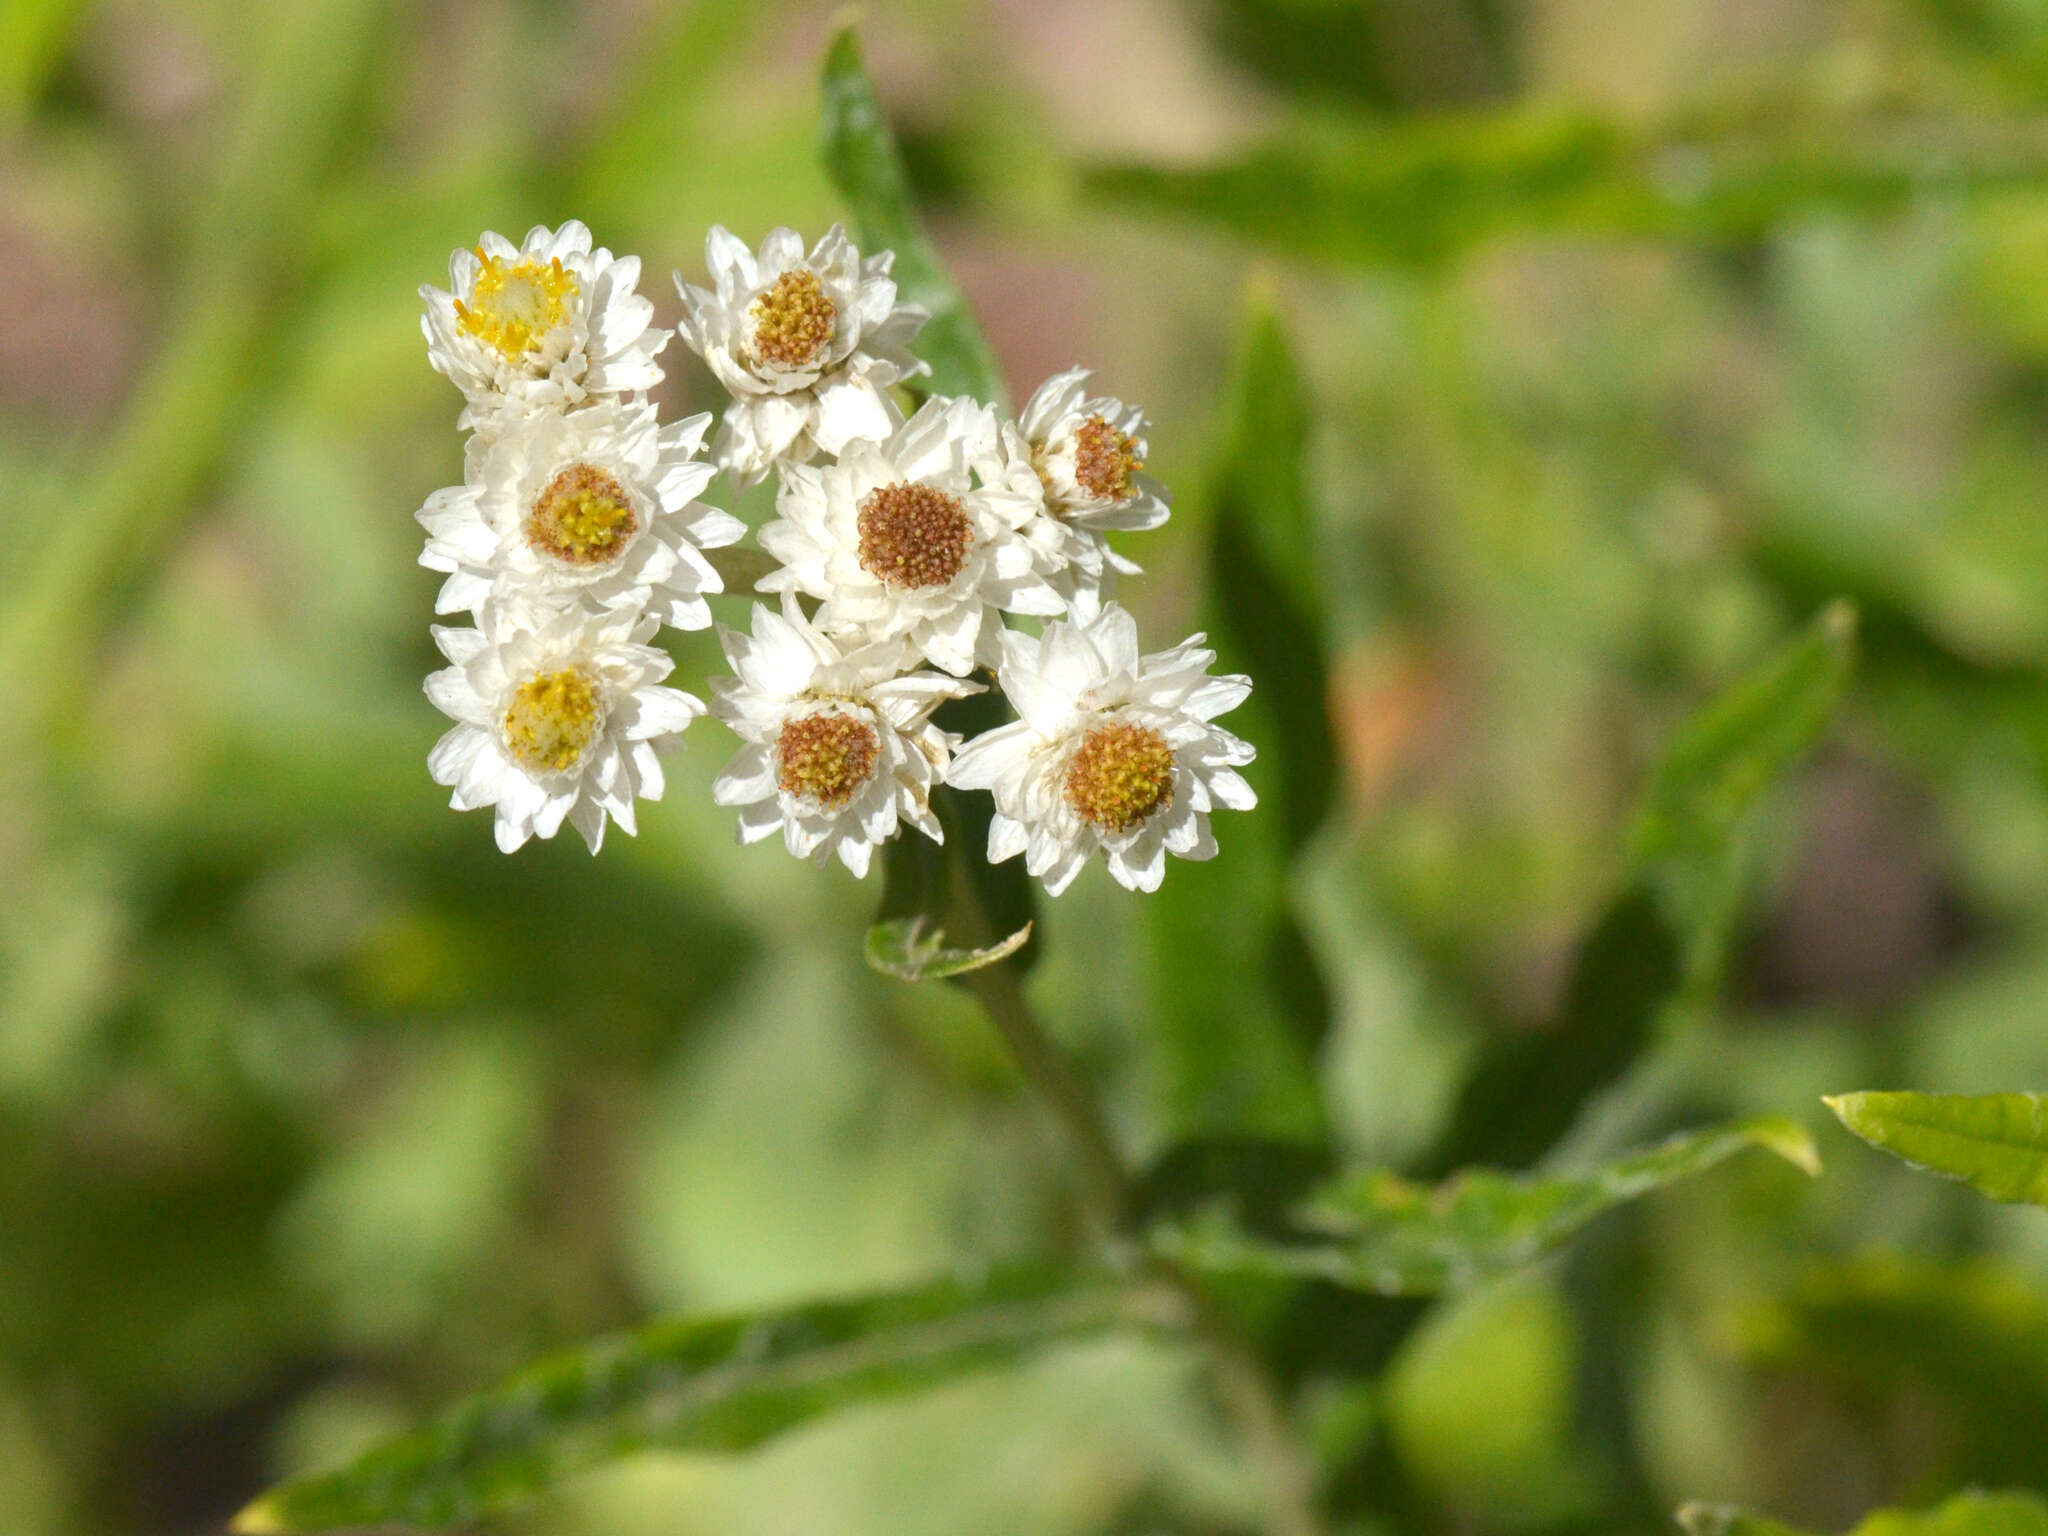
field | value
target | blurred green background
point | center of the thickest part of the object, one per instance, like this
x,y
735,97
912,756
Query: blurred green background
x,y
1632,332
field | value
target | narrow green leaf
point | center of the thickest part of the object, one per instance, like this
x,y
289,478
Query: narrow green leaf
x,y
1529,1089
1237,1002
1967,1514
861,158
906,949
1418,193
1398,1238
1734,748
1996,1143
718,1384
1663,937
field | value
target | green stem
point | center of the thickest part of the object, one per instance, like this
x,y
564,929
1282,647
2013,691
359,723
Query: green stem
x,y
1246,1388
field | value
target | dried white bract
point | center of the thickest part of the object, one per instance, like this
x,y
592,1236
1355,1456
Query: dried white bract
x,y
556,722
808,346
593,507
902,540
1113,752
840,750
1089,456
540,327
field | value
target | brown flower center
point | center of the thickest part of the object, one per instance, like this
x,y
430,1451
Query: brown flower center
x,y
1120,775
1104,460
792,320
826,758
584,517
912,535
552,720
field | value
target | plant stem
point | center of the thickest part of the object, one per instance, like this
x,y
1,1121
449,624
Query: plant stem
x,y
1247,1390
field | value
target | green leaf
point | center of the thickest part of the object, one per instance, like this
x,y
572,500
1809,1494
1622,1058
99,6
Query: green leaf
x,y
931,890
1421,192
1967,1514
906,949
1398,1238
716,1384
1997,1143
863,162
1529,1089
1730,752
1663,937
1237,1002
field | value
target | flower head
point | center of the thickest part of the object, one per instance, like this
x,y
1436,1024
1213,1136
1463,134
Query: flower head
x,y
542,326
553,722
808,346
1089,456
840,748
900,539
1112,752
591,507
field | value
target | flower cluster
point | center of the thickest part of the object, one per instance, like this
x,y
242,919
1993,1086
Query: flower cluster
x,y
903,542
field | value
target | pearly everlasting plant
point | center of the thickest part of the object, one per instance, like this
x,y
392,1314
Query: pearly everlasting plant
x,y
908,536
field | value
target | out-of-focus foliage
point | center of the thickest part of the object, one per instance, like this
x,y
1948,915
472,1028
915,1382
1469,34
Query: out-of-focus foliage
x,y
1530,374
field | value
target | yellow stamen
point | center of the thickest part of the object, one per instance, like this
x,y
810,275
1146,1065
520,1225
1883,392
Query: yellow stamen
x,y
552,720
1105,460
514,306
826,758
793,320
1120,775
584,517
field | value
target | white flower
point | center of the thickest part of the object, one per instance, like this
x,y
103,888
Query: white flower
x,y
1111,751
899,540
1088,452
560,721
540,327
840,746
593,506
807,346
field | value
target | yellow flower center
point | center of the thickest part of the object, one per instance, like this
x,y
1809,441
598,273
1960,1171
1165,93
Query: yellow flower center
x,y
912,535
826,758
513,306
584,517
552,720
792,320
1120,775
1104,460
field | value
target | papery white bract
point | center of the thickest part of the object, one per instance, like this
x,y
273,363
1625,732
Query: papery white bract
x,y
901,540
840,749
808,345
591,507
541,326
1113,751
557,721
1089,454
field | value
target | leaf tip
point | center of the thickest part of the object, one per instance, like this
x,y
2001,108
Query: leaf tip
x,y
1838,620
1792,1143
262,1518
1847,1108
